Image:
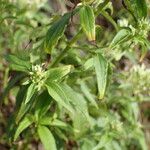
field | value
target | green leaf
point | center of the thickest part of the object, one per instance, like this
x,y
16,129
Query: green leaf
x,y
46,120
101,68
10,127
121,36
47,138
18,64
77,100
18,68
87,144
80,112
12,83
52,122
87,19
30,92
61,134
58,94
105,139
24,108
139,5
56,32
80,117
43,104
58,123
57,73
88,64
20,95
141,8
87,94
26,122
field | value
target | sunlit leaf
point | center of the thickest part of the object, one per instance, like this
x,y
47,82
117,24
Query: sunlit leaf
x,y
101,68
88,64
88,22
57,73
47,138
52,122
30,91
58,94
122,35
18,64
81,119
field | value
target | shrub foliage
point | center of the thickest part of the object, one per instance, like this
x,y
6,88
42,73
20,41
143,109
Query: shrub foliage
x,y
73,79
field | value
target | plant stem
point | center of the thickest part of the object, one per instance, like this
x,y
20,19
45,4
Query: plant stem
x,y
100,7
70,43
85,49
101,11
110,19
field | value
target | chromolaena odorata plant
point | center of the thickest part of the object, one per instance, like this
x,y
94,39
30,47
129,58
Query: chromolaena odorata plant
x,y
74,80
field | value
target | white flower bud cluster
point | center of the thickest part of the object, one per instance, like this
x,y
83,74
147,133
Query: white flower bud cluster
x,y
143,27
140,78
123,22
117,125
37,75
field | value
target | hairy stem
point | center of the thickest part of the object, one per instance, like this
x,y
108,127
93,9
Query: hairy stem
x,y
100,7
70,43
110,19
